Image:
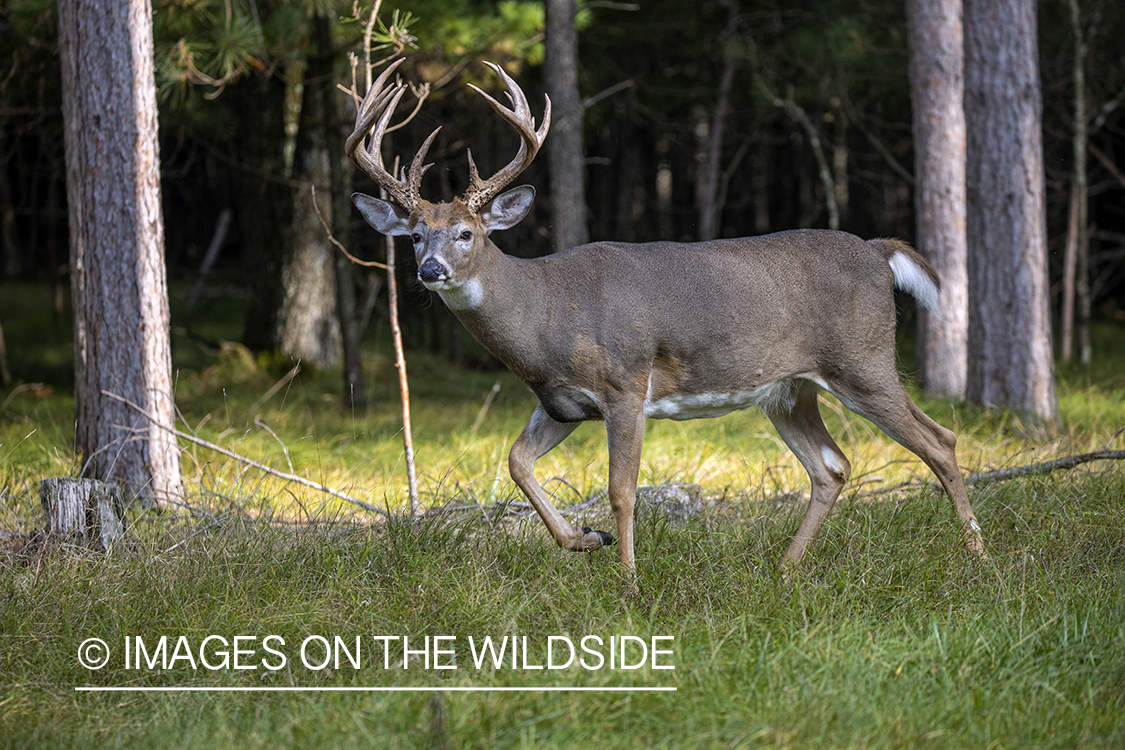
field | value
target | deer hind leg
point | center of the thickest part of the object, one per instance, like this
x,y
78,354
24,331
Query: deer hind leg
x,y
893,412
541,434
802,429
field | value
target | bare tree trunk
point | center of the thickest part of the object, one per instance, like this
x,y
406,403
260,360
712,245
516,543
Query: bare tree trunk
x,y
937,87
121,325
708,192
264,205
1081,188
1070,265
340,177
1010,357
310,328
310,325
566,159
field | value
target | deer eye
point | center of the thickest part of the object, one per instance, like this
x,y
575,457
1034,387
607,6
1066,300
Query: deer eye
x,y
466,235
416,238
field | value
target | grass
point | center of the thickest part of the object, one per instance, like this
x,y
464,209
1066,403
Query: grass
x,y
888,635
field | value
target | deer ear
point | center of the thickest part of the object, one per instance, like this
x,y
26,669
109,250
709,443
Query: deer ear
x,y
385,217
508,209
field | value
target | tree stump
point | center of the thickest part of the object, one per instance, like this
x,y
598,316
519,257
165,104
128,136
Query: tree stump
x,y
677,501
85,512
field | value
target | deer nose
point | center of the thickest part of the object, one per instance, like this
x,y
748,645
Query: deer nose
x,y
431,271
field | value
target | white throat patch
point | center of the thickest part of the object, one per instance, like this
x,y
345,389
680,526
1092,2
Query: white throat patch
x,y
464,296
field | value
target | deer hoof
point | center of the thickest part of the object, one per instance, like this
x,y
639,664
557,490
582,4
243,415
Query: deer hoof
x,y
590,540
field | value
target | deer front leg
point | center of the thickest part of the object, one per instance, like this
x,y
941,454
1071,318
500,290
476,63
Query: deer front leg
x,y
625,428
541,434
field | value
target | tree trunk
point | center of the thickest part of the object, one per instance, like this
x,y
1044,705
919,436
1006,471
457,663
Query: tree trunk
x,y
264,204
937,87
566,158
1080,216
708,191
350,320
118,282
310,327
1010,352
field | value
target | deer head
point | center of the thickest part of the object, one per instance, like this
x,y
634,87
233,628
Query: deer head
x,y
446,236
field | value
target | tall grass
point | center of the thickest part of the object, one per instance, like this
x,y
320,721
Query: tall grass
x,y
889,635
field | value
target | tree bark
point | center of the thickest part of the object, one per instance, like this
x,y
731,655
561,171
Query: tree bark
x,y
83,511
1010,351
310,326
118,281
264,205
350,320
937,87
1080,216
566,159
708,191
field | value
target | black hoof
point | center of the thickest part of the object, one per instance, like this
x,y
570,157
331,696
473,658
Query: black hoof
x,y
605,537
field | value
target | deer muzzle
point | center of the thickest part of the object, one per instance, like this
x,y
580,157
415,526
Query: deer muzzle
x,y
432,271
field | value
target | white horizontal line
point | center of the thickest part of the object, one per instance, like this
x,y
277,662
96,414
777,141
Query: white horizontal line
x,y
285,689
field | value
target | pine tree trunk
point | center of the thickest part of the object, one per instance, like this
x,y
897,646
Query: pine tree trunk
x,y
118,282
1010,352
264,204
937,88
310,327
340,178
707,192
566,157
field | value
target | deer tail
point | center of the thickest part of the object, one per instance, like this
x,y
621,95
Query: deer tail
x,y
913,274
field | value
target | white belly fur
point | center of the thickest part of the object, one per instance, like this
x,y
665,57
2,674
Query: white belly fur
x,y
777,396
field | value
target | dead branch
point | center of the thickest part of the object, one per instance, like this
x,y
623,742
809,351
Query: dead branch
x,y
248,461
334,241
1059,464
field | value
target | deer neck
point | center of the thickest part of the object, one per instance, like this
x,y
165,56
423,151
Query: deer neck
x,y
496,305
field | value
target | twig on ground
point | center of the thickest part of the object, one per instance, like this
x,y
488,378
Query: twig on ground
x,y
1067,462
249,461
185,540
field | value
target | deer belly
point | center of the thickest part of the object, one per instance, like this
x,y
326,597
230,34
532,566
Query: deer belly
x,y
681,406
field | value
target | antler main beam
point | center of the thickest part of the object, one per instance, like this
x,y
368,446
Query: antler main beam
x,y
372,119
480,192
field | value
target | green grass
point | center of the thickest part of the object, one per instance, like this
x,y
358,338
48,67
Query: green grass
x,y
888,636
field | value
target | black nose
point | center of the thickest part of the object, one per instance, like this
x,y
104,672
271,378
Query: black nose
x,y
431,270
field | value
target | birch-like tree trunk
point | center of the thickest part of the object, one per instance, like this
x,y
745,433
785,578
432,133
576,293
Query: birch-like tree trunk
x,y
1010,352
118,281
566,159
937,88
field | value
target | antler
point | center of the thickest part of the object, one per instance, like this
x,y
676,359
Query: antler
x,y
375,112
480,192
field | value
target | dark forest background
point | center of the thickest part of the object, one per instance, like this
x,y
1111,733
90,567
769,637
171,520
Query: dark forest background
x,y
239,130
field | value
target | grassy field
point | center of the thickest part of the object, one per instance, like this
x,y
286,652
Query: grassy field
x,y
888,635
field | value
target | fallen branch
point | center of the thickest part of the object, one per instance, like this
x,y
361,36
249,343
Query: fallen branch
x,y
1067,462
248,461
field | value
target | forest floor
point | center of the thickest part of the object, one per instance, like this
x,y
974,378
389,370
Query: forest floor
x,y
888,635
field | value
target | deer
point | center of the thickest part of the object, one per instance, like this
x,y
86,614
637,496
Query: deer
x,y
623,332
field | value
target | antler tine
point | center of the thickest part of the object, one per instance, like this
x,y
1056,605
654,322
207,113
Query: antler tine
x,y
375,112
518,116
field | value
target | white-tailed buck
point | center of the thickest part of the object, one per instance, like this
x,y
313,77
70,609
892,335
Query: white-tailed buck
x,y
624,332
